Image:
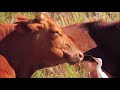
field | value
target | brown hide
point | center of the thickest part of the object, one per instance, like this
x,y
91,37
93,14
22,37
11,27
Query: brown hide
x,y
80,36
6,29
6,71
98,39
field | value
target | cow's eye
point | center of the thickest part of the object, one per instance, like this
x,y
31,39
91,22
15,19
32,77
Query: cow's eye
x,y
55,33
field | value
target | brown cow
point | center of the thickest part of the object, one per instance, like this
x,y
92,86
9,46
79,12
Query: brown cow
x,y
6,71
99,39
30,44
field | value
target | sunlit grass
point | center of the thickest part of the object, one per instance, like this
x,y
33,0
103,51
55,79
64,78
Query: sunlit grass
x,y
61,71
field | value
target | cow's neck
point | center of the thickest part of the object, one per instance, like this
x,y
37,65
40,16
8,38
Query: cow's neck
x,y
16,49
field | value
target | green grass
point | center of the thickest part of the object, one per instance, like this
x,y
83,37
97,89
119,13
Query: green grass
x,y
63,19
61,71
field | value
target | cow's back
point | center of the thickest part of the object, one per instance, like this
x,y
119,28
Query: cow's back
x,y
80,36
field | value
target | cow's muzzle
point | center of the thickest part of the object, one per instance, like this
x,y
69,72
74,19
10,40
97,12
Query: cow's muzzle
x,y
73,57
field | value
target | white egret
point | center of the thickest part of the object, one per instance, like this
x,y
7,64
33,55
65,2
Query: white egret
x,y
100,73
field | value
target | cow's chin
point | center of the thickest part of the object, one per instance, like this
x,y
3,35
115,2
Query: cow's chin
x,y
73,60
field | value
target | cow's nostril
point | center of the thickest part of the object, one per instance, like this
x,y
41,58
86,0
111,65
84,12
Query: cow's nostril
x,y
81,56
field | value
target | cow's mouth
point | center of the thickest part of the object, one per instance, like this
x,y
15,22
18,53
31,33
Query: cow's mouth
x,y
73,58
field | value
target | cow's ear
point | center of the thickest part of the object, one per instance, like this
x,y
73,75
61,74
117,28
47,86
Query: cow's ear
x,y
21,18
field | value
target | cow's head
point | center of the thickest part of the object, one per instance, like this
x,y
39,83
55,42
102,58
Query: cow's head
x,y
50,45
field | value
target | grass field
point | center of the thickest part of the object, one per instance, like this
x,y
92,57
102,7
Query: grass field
x,y
63,19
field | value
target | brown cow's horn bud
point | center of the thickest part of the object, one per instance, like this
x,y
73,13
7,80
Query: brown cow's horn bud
x,y
39,16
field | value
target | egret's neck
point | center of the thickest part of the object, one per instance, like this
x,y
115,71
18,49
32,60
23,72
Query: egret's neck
x,y
99,69
99,65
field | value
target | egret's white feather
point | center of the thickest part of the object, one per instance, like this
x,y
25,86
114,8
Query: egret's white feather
x,y
100,73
